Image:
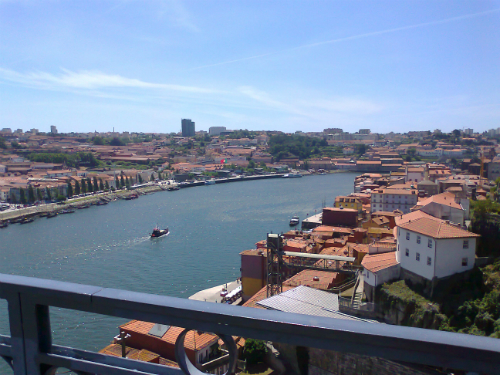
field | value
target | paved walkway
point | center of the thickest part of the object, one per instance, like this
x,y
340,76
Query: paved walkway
x,y
213,294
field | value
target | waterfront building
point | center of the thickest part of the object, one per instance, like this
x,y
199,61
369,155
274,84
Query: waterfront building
x,y
200,347
348,202
188,129
334,216
393,199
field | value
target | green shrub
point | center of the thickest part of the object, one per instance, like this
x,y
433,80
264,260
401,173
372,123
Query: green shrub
x,y
254,351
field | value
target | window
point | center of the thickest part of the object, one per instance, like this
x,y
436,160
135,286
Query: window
x,y
465,261
407,252
429,261
407,235
418,239
418,257
466,244
429,244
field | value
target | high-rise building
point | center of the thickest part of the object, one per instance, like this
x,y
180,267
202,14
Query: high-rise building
x,y
187,128
53,129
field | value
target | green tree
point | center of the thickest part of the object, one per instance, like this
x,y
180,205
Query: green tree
x,y
254,351
96,186
98,141
116,142
251,164
139,178
117,182
39,194
22,197
101,184
70,190
107,185
89,185
31,194
122,181
152,178
84,186
2,143
49,197
77,187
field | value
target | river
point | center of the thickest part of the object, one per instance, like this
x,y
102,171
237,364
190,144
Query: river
x,y
109,246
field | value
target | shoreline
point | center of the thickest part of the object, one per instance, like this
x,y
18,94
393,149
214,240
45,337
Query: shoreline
x,y
15,216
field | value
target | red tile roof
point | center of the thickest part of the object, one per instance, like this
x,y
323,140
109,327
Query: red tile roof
x,y
436,228
377,262
193,340
447,199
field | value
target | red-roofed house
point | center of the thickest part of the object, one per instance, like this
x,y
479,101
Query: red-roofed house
x,y
379,269
430,248
445,206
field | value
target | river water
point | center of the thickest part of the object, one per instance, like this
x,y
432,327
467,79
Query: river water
x,y
109,246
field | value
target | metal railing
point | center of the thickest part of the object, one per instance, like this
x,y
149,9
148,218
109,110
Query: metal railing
x,y
30,350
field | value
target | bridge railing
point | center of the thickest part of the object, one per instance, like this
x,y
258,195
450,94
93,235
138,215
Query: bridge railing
x,y
30,350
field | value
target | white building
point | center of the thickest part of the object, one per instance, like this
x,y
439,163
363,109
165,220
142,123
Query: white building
x,y
445,206
415,174
377,270
431,248
393,199
216,130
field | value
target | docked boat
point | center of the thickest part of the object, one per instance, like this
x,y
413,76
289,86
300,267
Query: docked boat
x,y
67,211
51,214
286,175
294,221
210,182
27,220
101,203
157,232
294,175
4,224
83,207
172,188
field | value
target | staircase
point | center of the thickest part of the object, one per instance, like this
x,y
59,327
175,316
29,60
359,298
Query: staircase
x,y
357,295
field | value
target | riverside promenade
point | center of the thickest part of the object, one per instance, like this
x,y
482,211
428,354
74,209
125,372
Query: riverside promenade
x,y
213,294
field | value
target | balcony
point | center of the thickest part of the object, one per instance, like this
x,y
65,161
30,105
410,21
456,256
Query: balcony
x,y
30,349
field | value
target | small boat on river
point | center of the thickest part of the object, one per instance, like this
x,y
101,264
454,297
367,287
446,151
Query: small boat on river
x,y
27,220
294,221
67,211
157,232
51,214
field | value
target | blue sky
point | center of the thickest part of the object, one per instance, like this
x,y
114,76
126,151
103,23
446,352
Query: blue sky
x,y
249,64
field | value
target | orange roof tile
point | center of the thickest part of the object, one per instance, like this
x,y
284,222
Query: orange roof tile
x,y
447,199
193,340
436,228
377,262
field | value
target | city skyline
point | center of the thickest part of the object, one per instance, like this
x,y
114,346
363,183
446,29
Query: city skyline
x,y
141,66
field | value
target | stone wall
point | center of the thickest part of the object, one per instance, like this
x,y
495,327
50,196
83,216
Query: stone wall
x,y
327,362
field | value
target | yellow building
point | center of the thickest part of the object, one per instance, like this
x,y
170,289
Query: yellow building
x,y
349,202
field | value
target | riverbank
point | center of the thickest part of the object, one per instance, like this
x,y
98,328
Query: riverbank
x,y
14,216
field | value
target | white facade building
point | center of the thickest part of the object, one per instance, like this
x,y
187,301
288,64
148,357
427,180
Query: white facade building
x,y
431,248
393,199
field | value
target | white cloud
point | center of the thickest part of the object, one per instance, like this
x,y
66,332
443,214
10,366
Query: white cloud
x,y
90,80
